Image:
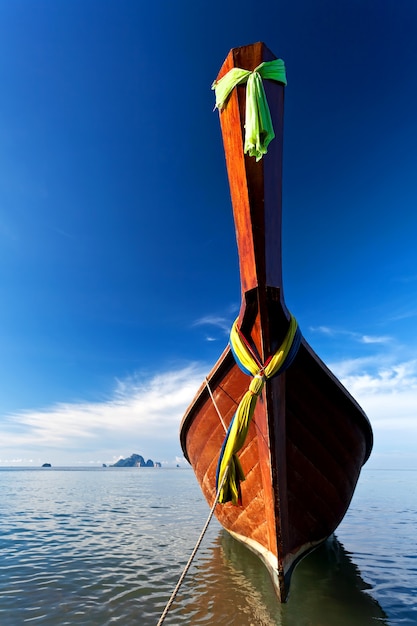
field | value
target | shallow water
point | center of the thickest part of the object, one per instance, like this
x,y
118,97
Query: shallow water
x,y
106,546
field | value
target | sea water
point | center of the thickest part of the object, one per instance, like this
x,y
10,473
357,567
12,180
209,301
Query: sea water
x,y
107,545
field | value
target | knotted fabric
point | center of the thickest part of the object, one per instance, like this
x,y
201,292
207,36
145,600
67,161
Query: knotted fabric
x,y
239,426
259,131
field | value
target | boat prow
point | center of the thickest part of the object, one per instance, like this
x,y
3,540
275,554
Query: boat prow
x,y
306,438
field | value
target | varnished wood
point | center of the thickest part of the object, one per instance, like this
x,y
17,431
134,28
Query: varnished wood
x,y
308,438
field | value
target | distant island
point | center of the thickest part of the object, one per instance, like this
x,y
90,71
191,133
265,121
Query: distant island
x,y
135,460
46,465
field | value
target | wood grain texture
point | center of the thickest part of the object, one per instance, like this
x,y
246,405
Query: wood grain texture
x,y
327,439
308,438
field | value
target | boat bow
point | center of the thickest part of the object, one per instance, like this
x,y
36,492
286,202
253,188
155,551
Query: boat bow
x,y
306,438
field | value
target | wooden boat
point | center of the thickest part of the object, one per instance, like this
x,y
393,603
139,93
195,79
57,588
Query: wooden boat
x,y
308,438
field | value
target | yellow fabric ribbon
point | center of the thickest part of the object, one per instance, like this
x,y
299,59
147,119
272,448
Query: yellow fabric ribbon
x,y
238,430
259,130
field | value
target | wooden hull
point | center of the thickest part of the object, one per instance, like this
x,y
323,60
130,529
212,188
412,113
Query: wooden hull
x,y
301,460
308,438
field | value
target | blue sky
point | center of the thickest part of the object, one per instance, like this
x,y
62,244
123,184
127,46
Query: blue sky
x,y
118,267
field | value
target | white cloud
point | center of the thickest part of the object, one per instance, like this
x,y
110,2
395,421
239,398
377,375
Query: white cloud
x,y
214,320
333,332
141,411
399,317
388,394
374,339
143,414
375,376
325,330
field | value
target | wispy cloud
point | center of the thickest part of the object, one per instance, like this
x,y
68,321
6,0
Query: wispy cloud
x,y
388,394
324,330
142,415
214,320
371,377
63,233
373,338
404,315
358,337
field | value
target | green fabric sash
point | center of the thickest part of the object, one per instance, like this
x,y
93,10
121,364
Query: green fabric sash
x,y
259,131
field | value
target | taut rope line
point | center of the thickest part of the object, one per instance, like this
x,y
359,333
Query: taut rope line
x,y
190,560
215,405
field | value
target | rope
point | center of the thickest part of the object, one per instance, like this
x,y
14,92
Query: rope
x,y
190,560
215,405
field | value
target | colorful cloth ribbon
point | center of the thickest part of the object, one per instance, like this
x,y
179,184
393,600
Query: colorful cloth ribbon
x,y
259,131
239,426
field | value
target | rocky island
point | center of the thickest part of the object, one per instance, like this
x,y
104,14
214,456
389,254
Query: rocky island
x,y
135,460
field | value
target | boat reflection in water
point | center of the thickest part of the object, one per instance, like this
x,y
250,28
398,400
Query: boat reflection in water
x,y
232,587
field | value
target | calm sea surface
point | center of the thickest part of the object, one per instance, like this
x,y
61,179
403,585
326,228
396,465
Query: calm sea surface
x,y
106,546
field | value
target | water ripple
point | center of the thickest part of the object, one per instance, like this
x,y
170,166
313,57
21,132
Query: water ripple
x,y
107,547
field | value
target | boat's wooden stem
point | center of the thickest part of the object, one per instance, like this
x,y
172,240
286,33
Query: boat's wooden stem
x,y
255,189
